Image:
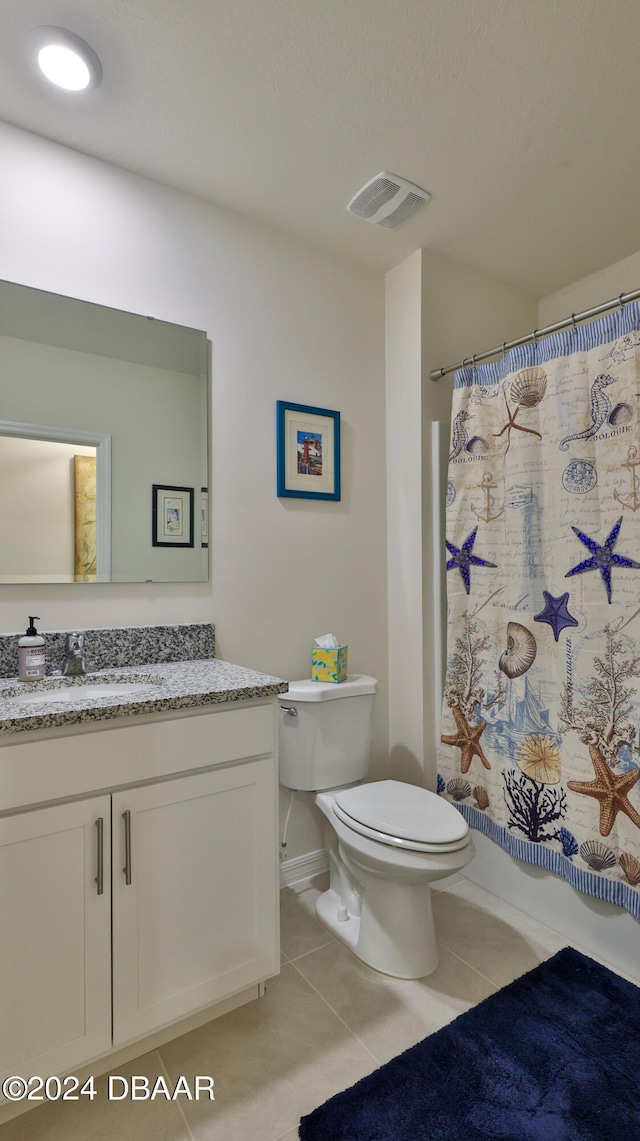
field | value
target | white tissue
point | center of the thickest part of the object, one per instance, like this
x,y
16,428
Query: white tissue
x,y
327,642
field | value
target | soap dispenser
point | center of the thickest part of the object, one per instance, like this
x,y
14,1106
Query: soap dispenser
x,y
31,657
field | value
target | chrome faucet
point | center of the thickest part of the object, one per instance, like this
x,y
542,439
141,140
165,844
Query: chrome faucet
x,y
74,655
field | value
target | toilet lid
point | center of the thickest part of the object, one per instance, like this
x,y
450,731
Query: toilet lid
x,y
403,815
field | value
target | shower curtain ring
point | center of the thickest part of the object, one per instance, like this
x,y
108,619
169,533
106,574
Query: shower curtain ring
x,y
573,322
620,301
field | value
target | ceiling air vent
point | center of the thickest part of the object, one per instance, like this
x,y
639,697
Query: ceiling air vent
x,y
387,200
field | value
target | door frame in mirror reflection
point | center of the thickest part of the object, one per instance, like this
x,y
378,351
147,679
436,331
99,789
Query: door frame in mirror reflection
x,y
102,443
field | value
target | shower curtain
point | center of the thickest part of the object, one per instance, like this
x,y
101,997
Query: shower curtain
x,y
540,744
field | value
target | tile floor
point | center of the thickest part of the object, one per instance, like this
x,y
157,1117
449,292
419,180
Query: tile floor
x,y
325,1022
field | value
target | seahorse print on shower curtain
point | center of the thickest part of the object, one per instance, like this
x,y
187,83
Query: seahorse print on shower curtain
x,y
600,410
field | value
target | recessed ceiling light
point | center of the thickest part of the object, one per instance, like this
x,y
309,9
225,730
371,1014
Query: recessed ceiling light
x,y
64,59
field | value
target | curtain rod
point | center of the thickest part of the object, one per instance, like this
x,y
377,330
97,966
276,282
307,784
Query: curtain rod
x,y
622,300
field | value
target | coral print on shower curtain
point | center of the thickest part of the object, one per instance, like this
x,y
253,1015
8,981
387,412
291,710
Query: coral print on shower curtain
x,y
540,729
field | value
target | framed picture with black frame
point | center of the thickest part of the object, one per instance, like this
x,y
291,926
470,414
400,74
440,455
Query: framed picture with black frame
x,y
172,516
308,451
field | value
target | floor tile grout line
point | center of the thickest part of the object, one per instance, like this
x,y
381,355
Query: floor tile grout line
x,y
312,950
545,927
447,887
499,986
603,962
177,1102
287,1132
335,1012
505,903
471,967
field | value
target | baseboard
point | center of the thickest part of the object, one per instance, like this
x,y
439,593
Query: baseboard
x,y
302,869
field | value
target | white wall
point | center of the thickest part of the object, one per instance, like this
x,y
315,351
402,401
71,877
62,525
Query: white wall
x,y
437,311
404,516
463,312
286,321
621,277
601,929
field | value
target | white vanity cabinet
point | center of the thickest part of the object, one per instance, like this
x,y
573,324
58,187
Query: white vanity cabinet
x,y
174,898
55,930
193,918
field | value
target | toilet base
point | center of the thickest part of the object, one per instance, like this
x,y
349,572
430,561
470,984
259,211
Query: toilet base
x,y
379,898
410,952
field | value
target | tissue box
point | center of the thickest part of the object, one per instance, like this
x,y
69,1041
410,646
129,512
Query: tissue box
x,y
329,665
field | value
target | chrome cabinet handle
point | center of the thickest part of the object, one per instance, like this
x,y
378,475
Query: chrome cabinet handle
x,y
288,709
100,854
126,816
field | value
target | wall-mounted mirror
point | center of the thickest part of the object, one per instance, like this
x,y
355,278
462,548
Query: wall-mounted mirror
x,y
103,443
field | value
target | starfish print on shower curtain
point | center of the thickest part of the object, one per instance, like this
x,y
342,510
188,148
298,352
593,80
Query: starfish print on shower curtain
x,y
467,739
463,559
603,557
611,790
527,390
556,613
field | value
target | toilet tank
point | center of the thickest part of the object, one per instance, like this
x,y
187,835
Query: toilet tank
x,y
325,739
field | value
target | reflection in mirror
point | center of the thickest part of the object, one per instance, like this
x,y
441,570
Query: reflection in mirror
x,y
97,407
41,528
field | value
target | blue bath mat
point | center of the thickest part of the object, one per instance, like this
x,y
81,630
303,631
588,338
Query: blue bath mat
x,y
554,1056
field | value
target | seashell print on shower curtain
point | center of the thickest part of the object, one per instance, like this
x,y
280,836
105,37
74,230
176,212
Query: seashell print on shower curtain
x,y
541,710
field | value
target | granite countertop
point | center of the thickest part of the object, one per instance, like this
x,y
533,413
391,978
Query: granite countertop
x,y
166,686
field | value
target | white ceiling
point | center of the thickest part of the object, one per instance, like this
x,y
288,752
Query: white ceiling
x,y
519,116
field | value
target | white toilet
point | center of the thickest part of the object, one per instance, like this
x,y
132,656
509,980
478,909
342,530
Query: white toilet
x,y
387,841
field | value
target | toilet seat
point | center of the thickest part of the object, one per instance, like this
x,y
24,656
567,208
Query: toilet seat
x,y
402,816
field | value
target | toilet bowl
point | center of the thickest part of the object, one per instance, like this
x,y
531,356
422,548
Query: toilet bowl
x,y
379,899
387,841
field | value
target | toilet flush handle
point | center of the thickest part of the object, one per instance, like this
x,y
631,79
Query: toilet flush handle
x,y
289,709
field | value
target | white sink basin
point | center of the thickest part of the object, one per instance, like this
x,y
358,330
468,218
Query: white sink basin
x,y
78,693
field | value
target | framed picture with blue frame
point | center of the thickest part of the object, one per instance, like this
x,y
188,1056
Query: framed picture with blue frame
x,y
308,451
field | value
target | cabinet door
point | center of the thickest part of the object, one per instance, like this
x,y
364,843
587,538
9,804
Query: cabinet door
x,y
55,938
198,919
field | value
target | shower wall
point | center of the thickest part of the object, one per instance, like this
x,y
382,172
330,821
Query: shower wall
x,y
440,434
462,311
